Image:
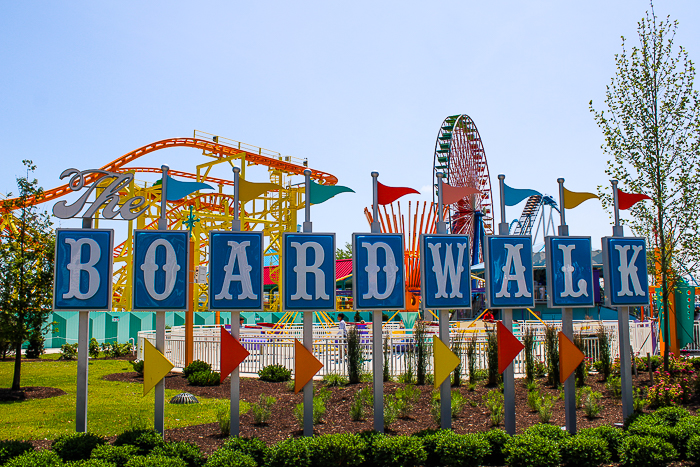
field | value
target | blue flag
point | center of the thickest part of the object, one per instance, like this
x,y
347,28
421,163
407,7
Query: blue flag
x,y
178,190
512,196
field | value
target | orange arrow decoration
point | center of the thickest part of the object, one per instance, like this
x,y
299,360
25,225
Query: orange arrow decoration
x,y
232,353
305,366
570,357
508,347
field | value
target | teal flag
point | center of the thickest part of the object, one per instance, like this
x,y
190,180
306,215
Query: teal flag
x,y
178,190
322,193
512,196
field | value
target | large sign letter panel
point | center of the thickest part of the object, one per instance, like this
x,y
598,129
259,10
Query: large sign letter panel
x,y
308,261
378,272
445,271
509,281
83,269
160,269
236,270
625,271
569,272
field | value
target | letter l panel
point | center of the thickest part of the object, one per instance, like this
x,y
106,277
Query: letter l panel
x,y
445,271
378,271
569,272
509,276
625,271
236,271
83,269
160,270
308,263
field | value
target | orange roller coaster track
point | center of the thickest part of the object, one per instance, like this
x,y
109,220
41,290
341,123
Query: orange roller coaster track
x,y
214,149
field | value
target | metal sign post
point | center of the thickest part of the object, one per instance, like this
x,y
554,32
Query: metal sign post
x,y
444,327
308,330
377,344
159,394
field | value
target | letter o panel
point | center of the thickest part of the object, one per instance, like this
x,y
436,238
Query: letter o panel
x,y
308,262
378,272
236,271
625,271
83,269
160,270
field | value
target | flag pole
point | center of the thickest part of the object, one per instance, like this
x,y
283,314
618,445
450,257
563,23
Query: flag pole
x,y
159,393
444,326
375,228
163,222
507,318
235,393
618,230
377,351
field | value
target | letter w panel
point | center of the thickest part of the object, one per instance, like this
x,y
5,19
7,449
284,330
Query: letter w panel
x,y
509,279
236,271
83,269
160,270
308,264
569,272
625,271
378,272
445,272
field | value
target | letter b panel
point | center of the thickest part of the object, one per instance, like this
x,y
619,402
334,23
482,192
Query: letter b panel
x,y
308,261
236,271
378,272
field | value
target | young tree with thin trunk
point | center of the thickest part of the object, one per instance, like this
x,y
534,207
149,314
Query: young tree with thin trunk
x,y
26,267
651,127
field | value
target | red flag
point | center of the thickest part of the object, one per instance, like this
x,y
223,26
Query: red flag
x,y
389,194
452,194
627,200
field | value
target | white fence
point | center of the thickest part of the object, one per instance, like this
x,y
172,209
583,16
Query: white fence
x,y
269,347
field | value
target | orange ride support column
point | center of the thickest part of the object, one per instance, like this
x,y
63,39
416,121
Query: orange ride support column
x,y
189,314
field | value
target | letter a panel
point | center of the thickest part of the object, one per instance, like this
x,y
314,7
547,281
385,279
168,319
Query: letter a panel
x,y
378,272
308,263
569,272
236,271
509,280
625,271
160,270
83,269
445,272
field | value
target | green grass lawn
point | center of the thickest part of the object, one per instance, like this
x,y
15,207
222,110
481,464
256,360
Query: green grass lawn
x,y
112,406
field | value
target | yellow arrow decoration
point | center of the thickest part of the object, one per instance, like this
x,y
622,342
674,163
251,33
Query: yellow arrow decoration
x,y
155,367
444,361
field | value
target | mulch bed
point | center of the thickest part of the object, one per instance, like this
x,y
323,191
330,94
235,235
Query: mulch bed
x,y
29,392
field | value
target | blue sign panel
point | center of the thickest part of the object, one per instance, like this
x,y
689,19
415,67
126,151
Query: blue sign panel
x,y
160,269
445,271
378,272
569,272
308,262
625,271
83,269
236,270
508,262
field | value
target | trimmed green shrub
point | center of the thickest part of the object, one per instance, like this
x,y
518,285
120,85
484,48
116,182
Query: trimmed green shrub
x,y
341,449
254,447
89,463
94,348
35,347
43,458
117,455
275,373
195,367
685,429
12,448
144,440
204,378
69,351
399,451
651,426
611,435
529,450
462,450
188,452
152,460
693,449
671,415
585,451
551,432
137,366
430,439
289,453
646,451
496,438
76,446
230,458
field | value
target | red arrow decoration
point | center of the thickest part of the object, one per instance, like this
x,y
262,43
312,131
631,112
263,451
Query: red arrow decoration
x,y
508,347
232,353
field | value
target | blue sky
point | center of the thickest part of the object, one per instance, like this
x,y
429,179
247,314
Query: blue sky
x,y
354,87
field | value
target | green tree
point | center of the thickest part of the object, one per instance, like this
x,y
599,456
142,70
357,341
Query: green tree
x,y
345,252
651,127
26,267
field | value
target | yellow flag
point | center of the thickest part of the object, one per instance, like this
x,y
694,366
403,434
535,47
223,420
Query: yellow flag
x,y
574,198
155,366
249,190
444,361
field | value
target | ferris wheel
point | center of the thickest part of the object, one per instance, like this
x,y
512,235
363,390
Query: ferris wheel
x,y
460,156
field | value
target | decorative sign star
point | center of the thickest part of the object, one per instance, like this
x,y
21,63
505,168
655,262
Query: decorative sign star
x,y
191,220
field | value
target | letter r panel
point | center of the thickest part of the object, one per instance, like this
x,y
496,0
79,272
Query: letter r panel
x,y
161,267
445,284
314,274
73,276
378,271
220,253
569,286
509,275
626,282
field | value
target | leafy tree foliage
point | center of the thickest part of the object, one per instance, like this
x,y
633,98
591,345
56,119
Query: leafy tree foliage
x,y
26,267
345,252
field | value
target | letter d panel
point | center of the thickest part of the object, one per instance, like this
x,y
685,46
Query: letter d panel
x,y
83,269
160,270
625,271
378,272
236,271
308,262
445,272
509,281
569,272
